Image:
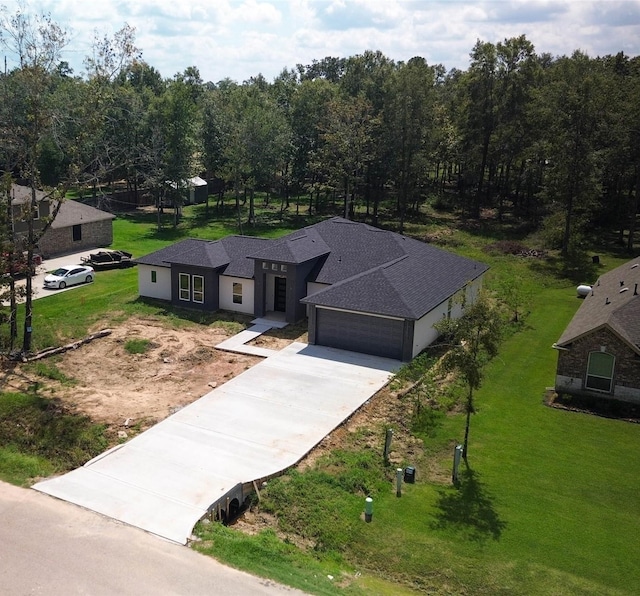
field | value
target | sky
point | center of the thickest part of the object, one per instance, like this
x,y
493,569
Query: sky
x,y
239,39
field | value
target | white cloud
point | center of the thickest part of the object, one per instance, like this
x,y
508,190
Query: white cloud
x,y
241,38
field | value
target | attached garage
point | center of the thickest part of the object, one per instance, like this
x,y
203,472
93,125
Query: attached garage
x,y
379,336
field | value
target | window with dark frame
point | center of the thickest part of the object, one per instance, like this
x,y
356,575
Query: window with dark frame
x,y
185,287
154,276
237,293
76,231
600,372
198,288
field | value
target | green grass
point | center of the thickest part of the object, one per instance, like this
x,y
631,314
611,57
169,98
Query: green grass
x,y
38,437
137,346
49,370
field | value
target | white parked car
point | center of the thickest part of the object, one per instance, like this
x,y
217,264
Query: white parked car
x,y
69,275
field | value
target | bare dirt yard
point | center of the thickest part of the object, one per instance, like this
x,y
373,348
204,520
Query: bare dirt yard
x,y
130,392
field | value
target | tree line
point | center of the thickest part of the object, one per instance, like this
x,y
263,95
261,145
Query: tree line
x,y
553,142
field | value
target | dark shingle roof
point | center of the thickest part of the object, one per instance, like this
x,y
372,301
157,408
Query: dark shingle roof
x,y
297,247
202,253
355,248
165,256
238,247
614,302
230,252
368,269
418,278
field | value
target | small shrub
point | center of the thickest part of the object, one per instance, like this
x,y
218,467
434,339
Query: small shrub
x,y
137,346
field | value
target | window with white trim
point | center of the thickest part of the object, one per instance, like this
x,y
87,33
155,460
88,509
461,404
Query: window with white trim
x,y
198,288
185,286
237,293
600,371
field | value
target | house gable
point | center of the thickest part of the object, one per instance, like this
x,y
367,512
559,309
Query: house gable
x,y
76,226
607,322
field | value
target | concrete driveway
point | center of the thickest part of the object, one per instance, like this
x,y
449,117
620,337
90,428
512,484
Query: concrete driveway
x,y
49,265
254,426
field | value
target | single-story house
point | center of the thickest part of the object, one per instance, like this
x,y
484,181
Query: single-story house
x,y
362,289
599,351
76,226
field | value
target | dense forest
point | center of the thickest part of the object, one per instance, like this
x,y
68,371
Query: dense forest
x,y
552,140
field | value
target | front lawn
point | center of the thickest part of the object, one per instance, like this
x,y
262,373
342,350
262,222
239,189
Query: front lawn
x,y
549,504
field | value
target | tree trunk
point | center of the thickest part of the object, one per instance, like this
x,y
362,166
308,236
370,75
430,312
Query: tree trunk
x,y
634,214
465,444
28,304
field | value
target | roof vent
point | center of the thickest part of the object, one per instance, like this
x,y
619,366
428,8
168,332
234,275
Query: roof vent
x,y
635,290
624,290
621,283
634,265
607,301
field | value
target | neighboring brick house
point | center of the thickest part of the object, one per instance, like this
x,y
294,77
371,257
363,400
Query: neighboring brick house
x,y
76,226
599,351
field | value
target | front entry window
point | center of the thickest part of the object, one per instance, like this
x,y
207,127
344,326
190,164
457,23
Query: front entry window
x,y
600,371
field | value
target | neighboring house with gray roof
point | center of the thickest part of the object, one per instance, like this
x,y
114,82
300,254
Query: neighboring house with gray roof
x,y
361,288
76,226
599,351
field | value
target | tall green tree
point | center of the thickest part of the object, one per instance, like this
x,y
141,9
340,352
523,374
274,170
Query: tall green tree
x,y
573,104
479,122
173,125
346,149
35,42
409,118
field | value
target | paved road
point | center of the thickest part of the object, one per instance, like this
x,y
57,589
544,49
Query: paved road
x,y
51,547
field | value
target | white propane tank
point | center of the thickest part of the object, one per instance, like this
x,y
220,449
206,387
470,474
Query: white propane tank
x,y
583,290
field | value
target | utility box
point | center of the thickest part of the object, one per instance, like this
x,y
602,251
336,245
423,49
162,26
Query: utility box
x,y
409,474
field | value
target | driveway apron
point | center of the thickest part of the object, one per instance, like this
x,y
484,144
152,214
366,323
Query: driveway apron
x,y
252,427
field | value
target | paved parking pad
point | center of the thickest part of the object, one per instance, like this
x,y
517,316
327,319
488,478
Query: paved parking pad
x,y
255,425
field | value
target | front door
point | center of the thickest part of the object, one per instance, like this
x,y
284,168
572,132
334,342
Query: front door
x,y
280,295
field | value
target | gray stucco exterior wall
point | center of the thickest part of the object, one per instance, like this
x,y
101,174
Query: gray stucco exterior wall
x,y
211,288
